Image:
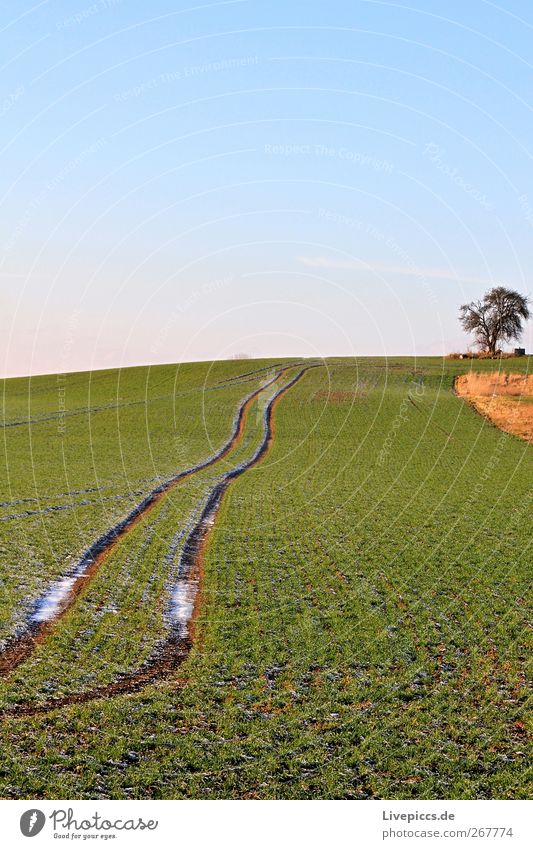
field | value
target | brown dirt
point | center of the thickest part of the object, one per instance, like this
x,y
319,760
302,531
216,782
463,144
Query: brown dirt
x,y
506,400
170,658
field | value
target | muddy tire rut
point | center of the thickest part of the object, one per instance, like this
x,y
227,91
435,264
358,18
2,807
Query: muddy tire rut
x,y
176,648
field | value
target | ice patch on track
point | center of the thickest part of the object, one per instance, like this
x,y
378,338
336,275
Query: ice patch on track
x,y
51,604
182,605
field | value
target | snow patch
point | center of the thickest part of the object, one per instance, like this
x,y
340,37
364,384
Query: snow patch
x,y
51,604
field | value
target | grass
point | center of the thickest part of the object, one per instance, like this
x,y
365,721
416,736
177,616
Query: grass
x,y
101,465
363,627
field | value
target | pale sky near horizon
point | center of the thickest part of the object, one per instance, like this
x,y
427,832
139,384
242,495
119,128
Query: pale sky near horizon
x,y
185,181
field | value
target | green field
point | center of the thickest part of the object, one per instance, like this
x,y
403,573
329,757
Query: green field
x,y
361,621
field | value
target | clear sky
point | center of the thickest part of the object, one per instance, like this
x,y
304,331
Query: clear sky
x,y
190,180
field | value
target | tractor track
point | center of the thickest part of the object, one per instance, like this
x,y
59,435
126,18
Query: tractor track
x,y
177,646
20,647
246,377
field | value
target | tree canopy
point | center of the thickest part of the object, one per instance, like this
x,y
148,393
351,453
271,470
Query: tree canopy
x,y
496,319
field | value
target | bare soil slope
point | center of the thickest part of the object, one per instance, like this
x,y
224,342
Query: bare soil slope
x,y
505,399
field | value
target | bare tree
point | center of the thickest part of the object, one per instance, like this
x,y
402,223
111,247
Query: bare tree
x,y
496,319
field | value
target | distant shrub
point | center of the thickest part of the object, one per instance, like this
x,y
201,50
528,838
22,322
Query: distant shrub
x,y
480,355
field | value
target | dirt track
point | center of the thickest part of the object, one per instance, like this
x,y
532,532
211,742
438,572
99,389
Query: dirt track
x,y
20,647
177,647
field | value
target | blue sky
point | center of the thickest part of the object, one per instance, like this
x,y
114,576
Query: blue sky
x,y
189,181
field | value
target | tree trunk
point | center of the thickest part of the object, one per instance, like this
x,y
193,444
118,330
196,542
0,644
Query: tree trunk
x,y
493,341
